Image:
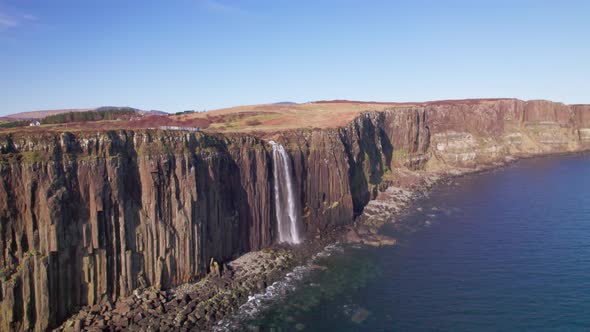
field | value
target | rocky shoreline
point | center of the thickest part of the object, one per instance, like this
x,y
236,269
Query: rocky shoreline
x,y
190,306
200,305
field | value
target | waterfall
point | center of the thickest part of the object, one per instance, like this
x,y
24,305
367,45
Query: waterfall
x,y
286,202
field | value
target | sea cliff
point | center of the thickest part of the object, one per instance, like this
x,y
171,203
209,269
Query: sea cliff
x,y
88,217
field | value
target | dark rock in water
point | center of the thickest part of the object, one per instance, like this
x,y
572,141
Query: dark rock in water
x,y
360,315
387,241
369,238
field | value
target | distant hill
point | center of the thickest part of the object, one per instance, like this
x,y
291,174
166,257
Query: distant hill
x,y
117,108
41,114
285,103
36,115
153,112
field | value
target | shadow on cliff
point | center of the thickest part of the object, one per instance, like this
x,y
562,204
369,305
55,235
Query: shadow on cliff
x,y
369,151
222,211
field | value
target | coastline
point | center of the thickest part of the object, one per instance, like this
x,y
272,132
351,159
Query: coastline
x,y
204,304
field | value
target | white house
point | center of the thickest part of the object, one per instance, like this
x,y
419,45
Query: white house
x,y
34,123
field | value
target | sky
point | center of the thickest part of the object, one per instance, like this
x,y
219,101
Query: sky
x,y
175,55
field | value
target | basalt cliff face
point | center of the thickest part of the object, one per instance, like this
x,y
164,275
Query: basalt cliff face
x,y
89,217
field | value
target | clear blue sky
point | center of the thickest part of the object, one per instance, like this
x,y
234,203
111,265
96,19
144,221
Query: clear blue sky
x,y
203,54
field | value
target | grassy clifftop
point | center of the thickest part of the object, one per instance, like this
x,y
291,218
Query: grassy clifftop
x,y
263,118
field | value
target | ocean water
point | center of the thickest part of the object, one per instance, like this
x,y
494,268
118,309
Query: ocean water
x,y
506,250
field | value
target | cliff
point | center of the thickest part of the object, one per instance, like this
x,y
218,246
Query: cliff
x,y
87,217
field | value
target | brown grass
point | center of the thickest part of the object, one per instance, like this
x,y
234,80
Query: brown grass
x,y
264,119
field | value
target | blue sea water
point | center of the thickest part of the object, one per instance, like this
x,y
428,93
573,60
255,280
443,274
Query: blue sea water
x,y
506,250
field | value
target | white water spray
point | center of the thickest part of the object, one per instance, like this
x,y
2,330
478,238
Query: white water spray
x,y
286,203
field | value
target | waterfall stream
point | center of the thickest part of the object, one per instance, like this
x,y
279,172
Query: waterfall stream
x,y
286,202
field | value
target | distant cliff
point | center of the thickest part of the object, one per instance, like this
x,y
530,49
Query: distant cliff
x,y
89,216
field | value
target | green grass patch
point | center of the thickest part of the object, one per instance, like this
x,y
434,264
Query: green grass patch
x,y
400,156
31,157
25,157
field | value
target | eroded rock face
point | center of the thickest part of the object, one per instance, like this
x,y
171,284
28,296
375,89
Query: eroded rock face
x,y
92,218
89,217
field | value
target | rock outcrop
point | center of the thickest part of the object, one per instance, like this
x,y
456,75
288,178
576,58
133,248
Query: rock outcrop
x,y
86,218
